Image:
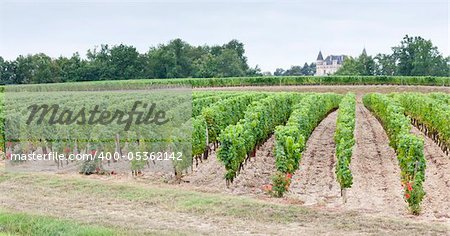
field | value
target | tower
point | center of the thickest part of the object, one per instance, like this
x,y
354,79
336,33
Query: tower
x,y
320,64
364,52
319,60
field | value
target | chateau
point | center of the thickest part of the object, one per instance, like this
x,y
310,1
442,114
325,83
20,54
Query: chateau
x,y
328,66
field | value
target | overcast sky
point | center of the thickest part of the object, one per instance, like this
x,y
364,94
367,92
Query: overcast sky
x,y
275,34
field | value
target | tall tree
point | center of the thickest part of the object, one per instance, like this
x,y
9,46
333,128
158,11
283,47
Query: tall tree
x,y
3,69
294,70
366,64
72,69
23,69
417,56
362,65
98,68
351,66
229,64
305,69
44,69
385,65
124,62
278,72
312,68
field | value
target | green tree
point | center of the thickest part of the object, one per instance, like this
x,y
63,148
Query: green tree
x,y
385,65
297,70
366,64
362,65
23,67
256,71
351,66
229,64
312,68
98,67
206,66
238,48
279,72
294,70
3,69
7,72
174,60
71,69
45,70
417,56
177,59
227,60
124,62
305,69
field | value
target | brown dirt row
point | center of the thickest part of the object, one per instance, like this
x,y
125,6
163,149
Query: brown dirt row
x,y
208,175
376,186
257,171
314,183
376,174
436,202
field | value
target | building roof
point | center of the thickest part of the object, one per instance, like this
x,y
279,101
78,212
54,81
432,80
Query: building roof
x,y
329,60
320,57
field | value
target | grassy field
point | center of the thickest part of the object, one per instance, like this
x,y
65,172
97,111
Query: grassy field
x,y
27,224
137,208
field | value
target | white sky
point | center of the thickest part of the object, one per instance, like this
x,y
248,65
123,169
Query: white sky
x,y
275,33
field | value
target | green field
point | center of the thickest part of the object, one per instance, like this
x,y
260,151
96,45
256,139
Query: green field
x,y
271,81
262,163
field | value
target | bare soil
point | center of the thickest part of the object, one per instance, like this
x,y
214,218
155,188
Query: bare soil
x,y
257,172
376,188
436,203
314,183
208,175
376,174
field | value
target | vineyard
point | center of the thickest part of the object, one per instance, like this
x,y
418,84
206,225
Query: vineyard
x,y
259,81
292,118
374,152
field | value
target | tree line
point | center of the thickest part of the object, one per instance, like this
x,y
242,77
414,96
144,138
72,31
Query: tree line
x,y
414,56
296,70
176,59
